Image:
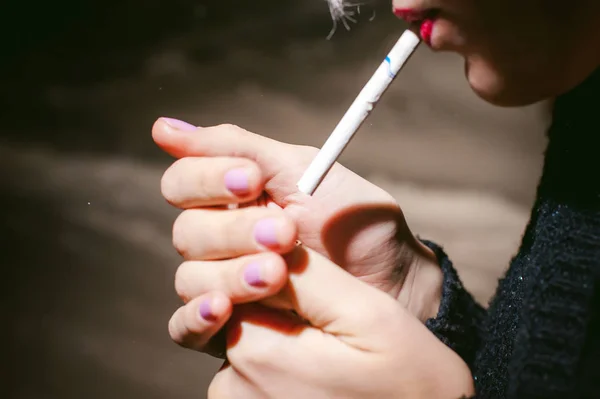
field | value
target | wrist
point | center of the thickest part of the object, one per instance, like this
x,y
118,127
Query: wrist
x,y
421,290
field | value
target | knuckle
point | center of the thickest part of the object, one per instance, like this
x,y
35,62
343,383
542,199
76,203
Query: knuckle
x,y
182,281
175,329
186,330
232,128
176,180
234,132
168,185
180,231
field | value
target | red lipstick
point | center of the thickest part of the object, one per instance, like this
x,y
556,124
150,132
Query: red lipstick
x,y
426,30
423,19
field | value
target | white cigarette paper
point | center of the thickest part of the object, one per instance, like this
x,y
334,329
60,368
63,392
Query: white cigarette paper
x,y
358,112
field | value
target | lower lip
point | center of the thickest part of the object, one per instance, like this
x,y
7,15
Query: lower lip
x,y
426,29
417,17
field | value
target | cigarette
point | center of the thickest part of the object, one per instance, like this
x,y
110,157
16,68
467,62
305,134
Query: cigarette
x,y
358,112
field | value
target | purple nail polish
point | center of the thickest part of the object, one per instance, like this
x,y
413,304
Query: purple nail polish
x,y
265,233
252,275
236,181
206,311
180,125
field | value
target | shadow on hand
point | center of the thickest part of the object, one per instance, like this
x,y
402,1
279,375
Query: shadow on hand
x,y
344,228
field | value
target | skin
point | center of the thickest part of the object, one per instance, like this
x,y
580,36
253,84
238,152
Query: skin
x,y
361,285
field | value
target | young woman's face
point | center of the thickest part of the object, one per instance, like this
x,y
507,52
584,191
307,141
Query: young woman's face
x,y
516,51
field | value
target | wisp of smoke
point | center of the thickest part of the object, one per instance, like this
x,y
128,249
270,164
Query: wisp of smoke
x,y
342,11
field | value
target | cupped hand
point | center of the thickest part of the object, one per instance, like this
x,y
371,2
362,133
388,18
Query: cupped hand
x,y
346,339
356,224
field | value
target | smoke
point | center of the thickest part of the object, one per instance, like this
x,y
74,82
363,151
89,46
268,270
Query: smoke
x,y
342,11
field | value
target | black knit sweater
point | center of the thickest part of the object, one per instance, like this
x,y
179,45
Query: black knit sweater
x,y
540,337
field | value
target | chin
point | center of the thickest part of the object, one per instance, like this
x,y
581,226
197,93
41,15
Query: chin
x,y
499,90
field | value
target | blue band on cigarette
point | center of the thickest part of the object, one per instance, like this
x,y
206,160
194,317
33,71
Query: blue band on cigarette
x,y
389,62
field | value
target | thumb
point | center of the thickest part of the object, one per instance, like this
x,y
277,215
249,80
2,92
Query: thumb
x,y
330,298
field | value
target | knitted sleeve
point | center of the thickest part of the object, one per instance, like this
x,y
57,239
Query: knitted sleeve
x,y
459,319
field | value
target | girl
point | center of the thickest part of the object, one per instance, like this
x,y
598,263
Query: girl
x,y
376,312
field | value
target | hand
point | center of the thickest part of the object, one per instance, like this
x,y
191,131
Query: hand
x,y
349,341
349,220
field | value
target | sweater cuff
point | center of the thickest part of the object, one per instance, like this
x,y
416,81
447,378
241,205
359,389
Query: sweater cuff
x,y
459,318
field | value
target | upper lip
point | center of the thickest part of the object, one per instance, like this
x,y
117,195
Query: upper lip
x,y
415,16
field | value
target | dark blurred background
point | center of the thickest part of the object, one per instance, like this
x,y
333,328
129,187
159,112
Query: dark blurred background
x,y
87,261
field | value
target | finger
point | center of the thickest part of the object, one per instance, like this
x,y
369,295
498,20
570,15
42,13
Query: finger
x,y
330,298
193,325
209,234
197,182
181,139
244,279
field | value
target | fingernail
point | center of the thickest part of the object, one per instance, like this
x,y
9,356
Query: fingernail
x,y
252,275
265,233
236,181
180,125
206,311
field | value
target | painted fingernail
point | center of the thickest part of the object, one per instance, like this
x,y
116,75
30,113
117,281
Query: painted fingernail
x,y
265,233
180,125
206,311
253,275
236,181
